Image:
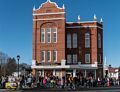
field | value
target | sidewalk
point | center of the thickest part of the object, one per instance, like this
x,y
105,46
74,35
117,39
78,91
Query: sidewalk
x,y
2,90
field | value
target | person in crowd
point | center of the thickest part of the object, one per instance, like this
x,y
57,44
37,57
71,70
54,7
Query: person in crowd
x,y
22,81
33,81
29,81
40,81
71,82
99,81
0,82
83,81
4,80
44,81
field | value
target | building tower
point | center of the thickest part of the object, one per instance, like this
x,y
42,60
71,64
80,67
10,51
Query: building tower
x,y
48,26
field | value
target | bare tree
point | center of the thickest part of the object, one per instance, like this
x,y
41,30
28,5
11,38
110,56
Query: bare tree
x,y
11,66
3,61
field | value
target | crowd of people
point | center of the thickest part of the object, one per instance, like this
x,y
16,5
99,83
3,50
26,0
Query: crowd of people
x,y
21,82
78,81
57,82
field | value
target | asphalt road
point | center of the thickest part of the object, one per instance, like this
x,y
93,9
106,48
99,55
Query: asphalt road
x,y
115,90
102,90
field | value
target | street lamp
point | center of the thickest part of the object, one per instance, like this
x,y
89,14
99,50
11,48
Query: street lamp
x,y
18,58
110,70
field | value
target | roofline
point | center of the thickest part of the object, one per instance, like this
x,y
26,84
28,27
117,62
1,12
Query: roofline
x,y
84,27
45,3
82,22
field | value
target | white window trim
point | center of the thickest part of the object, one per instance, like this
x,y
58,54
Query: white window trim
x,y
75,45
56,56
50,56
50,35
56,36
87,39
44,56
41,35
74,58
89,58
70,59
70,39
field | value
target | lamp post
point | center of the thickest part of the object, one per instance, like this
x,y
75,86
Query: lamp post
x,y
110,70
18,58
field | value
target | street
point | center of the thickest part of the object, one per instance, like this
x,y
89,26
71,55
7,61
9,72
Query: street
x,y
115,90
111,90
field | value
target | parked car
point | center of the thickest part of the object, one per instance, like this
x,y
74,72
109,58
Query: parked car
x,y
12,85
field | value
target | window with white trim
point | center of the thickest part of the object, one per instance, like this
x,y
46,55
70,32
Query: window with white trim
x,y
74,58
87,58
55,56
54,30
74,40
42,56
87,40
69,59
99,40
42,35
99,58
48,56
69,41
48,35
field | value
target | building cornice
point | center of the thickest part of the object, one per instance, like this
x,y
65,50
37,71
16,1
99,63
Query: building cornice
x,y
81,66
82,22
84,27
49,19
39,14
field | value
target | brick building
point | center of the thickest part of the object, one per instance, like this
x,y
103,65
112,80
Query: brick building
x,y
62,48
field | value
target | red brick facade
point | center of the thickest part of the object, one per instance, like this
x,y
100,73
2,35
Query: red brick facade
x,y
55,23
49,15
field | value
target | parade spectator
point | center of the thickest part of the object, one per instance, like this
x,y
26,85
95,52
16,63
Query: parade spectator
x,y
0,82
22,82
29,81
71,82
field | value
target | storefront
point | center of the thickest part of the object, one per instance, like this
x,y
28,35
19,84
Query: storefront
x,y
84,70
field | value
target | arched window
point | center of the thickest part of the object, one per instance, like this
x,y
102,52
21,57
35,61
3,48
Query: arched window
x,y
99,40
87,40
48,33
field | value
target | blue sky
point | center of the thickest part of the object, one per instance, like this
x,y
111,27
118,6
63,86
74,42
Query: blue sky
x,y
16,24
